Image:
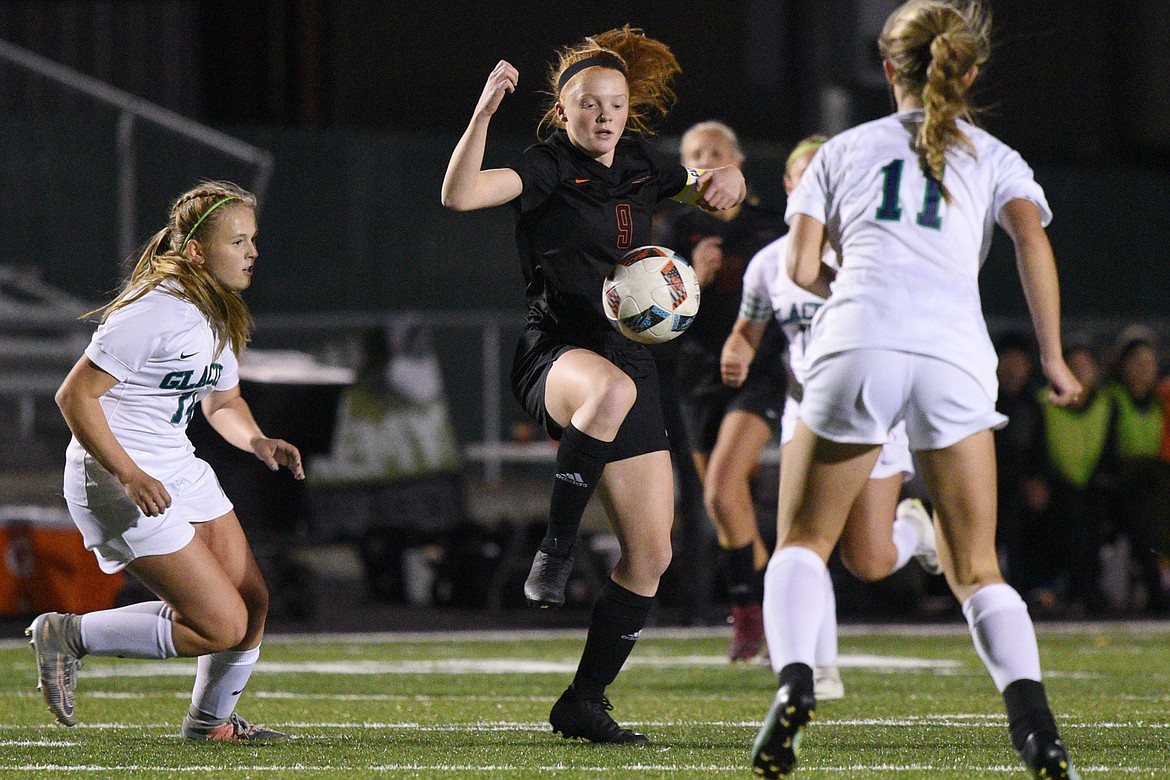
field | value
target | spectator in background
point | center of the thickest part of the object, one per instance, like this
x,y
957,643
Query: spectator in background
x,y
1136,447
1163,390
1133,380
1075,444
1020,453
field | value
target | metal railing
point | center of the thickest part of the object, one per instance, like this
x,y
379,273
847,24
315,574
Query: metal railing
x,y
132,109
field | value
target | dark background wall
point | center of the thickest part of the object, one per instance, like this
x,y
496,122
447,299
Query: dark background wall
x,y
361,103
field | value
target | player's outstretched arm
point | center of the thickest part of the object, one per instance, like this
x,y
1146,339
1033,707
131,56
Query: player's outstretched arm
x,y
1037,268
78,398
713,189
228,413
466,186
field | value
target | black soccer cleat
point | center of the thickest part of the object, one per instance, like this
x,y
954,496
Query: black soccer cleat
x,y
545,586
778,743
577,716
1048,759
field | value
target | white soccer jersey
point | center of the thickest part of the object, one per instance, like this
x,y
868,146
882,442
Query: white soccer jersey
x,y
768,291
161,349
909,260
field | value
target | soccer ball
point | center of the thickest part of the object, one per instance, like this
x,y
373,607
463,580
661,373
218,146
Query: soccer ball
x,y
651,295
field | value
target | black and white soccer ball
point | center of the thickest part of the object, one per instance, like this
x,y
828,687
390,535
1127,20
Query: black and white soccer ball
x,y
651,295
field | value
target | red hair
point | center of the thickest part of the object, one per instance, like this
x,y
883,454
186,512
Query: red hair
x,y
649,65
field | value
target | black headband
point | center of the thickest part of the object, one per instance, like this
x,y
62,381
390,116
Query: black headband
x,y
602,60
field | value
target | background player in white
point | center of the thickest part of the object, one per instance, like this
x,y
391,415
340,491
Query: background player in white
x,y
874,543
909,202
134,487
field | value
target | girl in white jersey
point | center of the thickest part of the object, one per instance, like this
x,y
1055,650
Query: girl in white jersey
x,y
135,489
908,202
881,535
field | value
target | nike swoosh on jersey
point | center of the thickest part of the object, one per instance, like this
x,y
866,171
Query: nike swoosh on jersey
x,y
580,181
186,355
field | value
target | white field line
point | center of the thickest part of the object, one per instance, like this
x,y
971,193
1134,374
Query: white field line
x,y
1116,629
948,721
186,668
739,769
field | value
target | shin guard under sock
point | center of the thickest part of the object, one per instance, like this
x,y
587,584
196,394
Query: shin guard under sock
x,y
580,461
618,618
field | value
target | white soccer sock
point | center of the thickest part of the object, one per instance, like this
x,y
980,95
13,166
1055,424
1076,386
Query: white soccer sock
x,y
906,541
827,634
137,631
160,608
219,681
794,605
1003,634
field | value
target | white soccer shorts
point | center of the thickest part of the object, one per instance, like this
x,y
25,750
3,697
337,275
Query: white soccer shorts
x,y
895,457
117,531
859,395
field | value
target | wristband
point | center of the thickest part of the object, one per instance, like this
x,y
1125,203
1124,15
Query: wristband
x,y
690,193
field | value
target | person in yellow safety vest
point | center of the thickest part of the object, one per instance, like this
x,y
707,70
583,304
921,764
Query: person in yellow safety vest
x,y
1076,440
1135,450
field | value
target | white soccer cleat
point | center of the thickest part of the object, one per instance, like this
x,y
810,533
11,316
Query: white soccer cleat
x,y
234,729
54,638
913,511
827,683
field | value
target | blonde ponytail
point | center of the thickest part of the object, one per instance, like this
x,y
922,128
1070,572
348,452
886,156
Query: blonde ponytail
x,y
932,46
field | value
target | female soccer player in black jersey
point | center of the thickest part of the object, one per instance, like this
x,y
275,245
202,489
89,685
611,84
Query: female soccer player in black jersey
x,y
584,197
728,427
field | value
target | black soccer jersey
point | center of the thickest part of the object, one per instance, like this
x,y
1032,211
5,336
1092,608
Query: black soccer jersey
x,y
753,228
576,218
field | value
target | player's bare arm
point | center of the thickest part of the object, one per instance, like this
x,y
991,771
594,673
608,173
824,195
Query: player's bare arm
x,y
466,186
1037,268
721,188
229,414
805,250
78,400
707,259
739,350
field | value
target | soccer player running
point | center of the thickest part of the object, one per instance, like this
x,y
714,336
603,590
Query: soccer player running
x,y
583,197
880,535
727,427
135,489
908,203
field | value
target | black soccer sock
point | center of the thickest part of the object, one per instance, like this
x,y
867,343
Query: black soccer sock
x,y
580,461
1028,711
618,618
798,676
745,584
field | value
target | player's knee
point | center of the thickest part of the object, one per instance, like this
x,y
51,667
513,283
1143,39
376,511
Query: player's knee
x,y
654,560
719,502
617,392
255,597
867,567
225,628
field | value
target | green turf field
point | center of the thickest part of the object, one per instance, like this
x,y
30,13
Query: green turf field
x,y
918,705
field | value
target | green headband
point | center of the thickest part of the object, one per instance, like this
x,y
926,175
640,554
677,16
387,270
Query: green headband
x,y
799,150
199,221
